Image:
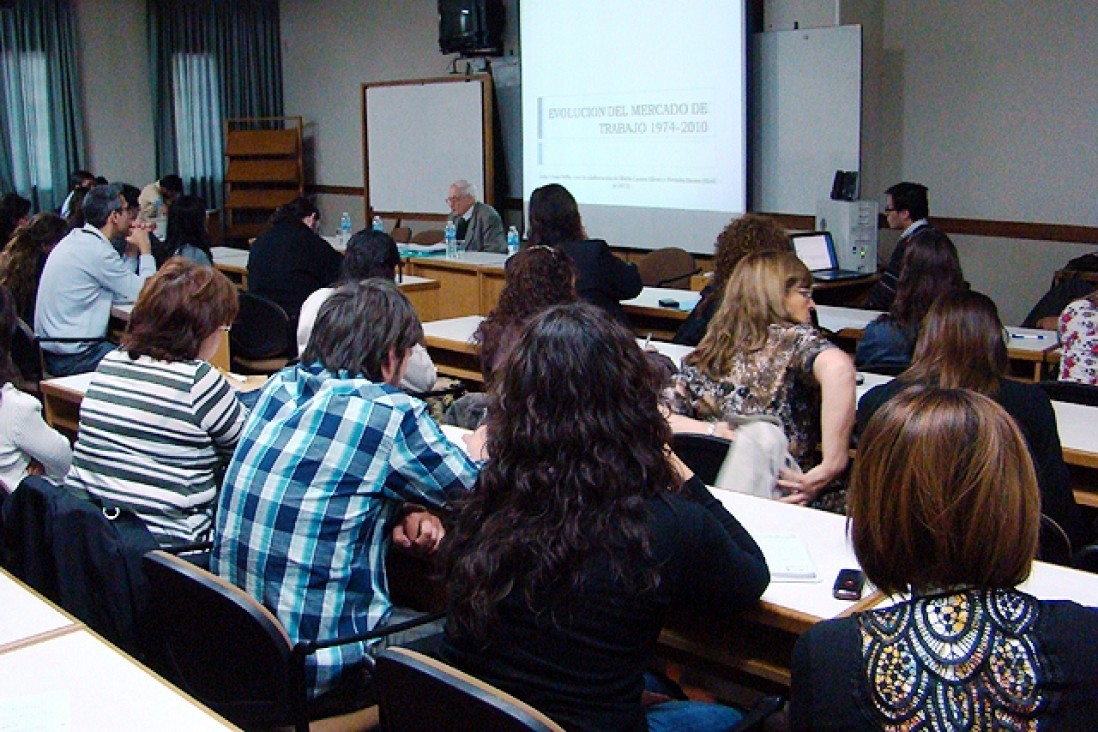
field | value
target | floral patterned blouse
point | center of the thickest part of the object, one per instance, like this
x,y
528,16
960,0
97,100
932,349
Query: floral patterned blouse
x,y
1079,340
776,380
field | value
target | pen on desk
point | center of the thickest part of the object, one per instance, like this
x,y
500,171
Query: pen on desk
x,y
647,340
1034,336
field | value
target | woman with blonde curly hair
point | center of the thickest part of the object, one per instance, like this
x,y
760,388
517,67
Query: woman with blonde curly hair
x,y
744,235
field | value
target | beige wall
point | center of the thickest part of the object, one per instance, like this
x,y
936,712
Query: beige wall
x,y
992,105
116,94
989,103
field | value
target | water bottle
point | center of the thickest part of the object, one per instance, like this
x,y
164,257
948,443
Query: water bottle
x,y
378,226
451,240
512,242
344,229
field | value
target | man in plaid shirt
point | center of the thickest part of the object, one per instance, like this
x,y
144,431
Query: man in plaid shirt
x,y
334,460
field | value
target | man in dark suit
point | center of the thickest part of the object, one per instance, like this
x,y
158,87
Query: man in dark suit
x,y
478,224
906,210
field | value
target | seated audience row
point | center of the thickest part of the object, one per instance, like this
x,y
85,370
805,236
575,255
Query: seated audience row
x,y
332,455
962,347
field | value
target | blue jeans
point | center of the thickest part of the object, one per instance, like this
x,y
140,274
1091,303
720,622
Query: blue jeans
x,y
67,364
687,716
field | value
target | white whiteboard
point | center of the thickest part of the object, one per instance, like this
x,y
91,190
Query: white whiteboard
x,y
806,94
421,136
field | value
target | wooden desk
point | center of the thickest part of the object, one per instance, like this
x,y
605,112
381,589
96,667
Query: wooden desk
x,y
452,349
62,396
57,674
1031,351
648,316
759,642
28,617
467,286
233,263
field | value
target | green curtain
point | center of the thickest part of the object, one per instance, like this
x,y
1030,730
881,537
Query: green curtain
x,y
210,60
41,119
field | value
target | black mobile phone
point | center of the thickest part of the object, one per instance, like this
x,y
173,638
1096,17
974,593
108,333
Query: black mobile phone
x,y
849,584
669,303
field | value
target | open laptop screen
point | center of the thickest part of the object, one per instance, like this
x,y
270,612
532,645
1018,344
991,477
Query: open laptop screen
x,y
814,250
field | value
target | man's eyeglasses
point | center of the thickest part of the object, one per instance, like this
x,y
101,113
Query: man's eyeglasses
x,y
889,210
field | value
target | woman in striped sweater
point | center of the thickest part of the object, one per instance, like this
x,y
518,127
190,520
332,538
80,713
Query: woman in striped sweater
x,y
158,423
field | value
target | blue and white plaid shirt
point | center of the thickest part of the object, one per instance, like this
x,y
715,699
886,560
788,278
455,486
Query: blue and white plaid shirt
x,y
304,518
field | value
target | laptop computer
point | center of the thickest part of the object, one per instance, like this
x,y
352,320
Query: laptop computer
x,y
817,250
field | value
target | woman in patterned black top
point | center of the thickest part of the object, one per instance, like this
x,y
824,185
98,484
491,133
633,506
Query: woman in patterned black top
x,y
944,511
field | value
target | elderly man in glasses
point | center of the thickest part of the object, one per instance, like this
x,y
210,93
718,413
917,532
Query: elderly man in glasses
x,y
478,224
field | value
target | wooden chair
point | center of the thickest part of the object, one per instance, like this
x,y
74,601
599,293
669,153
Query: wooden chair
x,y
667,267
421,694
402,234
260,341
428,236
228,651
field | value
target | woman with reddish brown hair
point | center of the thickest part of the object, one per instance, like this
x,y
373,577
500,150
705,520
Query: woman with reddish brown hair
x,y
158,422
944,516
537,278
962,346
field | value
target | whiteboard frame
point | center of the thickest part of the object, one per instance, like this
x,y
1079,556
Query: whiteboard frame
x,y
410,178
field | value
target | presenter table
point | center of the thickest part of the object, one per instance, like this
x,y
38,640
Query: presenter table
x,y
422,292
56,674
468,286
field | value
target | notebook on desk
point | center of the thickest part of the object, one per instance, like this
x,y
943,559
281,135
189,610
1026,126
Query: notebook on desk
x,y
817,250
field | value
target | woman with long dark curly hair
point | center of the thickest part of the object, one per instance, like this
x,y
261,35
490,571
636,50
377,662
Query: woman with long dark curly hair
x,y
537,278
601,278
23,259
581,534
